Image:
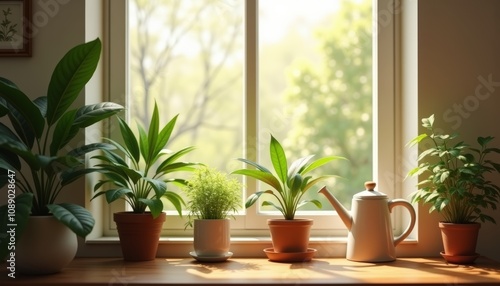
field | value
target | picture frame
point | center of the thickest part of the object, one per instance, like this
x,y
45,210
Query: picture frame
x,y
15,28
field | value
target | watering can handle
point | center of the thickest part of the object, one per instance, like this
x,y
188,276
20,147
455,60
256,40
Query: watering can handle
x,y
413,217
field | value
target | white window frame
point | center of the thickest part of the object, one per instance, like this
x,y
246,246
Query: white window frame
x,y
385,113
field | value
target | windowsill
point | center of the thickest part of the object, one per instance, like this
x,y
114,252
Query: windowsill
x,y
336,271
242,247
234,240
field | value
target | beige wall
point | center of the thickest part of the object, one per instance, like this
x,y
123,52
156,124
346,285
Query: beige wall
x,y
459,76
458,49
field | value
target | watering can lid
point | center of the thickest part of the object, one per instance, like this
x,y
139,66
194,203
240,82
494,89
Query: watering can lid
x,y
370,193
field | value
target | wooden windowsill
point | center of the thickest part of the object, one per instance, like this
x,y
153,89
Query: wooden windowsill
x,y
336,271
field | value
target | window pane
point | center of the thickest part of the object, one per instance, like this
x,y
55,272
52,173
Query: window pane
x,y
315,87
187,55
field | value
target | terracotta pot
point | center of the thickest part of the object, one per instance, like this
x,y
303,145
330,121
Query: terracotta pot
x,y
139,234
46,246
211,237
459,240
290,235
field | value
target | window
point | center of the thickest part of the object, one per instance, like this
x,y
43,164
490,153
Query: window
x,y
238,70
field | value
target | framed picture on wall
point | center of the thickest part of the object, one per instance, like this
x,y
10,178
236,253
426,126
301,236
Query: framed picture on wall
x,y
15,21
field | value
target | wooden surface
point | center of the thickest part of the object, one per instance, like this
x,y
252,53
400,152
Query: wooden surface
x,y
337,271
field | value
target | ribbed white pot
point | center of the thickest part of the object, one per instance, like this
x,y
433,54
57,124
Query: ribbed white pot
x,y
212,237
46,246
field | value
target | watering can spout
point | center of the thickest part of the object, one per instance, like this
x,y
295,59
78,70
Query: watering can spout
x,y
341,210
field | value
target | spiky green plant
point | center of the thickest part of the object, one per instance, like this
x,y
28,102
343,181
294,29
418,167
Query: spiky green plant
x,y
139,167
289,183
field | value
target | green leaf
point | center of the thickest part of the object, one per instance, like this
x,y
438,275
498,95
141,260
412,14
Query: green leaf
x,y
176,201
269,203
130,140
176,167
19,101
90,114
159,186
416,140
444,176
55,165
114,194
81,151
253,198
154,127
258,166
22,209
320,162
168,166
41,103
428,122
278,158
72,175
70,75
315,202
154,205
76,217
483,141
18,148
267,178
164,135
21,127
143,143
63,132
317,180
297,165
295,185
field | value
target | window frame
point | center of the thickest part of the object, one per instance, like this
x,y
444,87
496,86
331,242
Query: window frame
x,y
385,113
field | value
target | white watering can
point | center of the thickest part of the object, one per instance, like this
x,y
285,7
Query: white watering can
x,y
370,237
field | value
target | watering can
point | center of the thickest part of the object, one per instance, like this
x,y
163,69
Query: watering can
x,y
370,237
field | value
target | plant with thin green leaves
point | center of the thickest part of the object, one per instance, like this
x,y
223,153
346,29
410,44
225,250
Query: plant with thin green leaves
x,y
211,194
454,176
37,146
289,183
138,168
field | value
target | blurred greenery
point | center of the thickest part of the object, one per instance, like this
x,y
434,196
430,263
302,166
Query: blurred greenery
x,y
315,87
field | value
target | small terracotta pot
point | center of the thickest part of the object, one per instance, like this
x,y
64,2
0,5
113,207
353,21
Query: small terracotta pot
x,y
460,240
290,235
139,234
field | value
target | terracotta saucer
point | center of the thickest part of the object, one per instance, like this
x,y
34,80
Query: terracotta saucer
x,y
290,256
455,259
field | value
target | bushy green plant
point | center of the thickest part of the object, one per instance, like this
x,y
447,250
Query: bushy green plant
x,y
211,194
37,145
289,183
138,168
454,176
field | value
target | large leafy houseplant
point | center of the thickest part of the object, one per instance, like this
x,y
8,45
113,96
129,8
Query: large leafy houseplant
x,y
37,145
138,168
454,173
289,183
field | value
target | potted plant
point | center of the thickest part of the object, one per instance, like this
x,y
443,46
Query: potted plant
x,y
137,172
454,182
289,184
212,196
38,157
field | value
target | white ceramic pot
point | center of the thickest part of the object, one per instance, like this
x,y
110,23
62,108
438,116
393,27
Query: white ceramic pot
x,y
212,237
46,246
